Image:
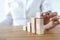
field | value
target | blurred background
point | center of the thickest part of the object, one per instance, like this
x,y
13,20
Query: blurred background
x,y
6,9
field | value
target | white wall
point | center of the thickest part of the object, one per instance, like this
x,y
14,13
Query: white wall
x,y
2,10
56,5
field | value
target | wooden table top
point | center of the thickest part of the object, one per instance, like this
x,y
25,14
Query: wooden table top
x,y
16,33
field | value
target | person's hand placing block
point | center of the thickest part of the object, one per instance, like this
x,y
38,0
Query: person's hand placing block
x,y
42,22
47,15
33,25
50,20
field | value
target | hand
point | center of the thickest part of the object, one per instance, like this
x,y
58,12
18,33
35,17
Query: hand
x,y
50,20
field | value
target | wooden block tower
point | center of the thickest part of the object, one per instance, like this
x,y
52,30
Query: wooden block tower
x,y
35,25
39,24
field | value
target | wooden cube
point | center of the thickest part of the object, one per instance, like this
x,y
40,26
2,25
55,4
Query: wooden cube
x,y
38,15
33,25
29,27
25,28
39,26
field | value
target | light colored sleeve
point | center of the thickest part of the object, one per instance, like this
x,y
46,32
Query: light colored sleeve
x,y
46,5
18,12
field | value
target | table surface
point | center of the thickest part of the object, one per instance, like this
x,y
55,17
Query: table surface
x,y
16,33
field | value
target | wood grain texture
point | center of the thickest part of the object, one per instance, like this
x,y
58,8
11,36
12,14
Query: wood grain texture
x,y
16,33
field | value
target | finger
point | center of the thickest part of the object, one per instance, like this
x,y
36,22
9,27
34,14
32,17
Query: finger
x,y
55,13
59,21
49,14
54,19
56,22
44,14
52,25
52,14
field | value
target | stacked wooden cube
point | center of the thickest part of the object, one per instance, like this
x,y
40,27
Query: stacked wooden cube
x,y
35,25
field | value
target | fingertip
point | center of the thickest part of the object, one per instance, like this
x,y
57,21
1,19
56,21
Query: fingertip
x,y
44,15
59,21
51,19
52,14
55,13
56,22
54,19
